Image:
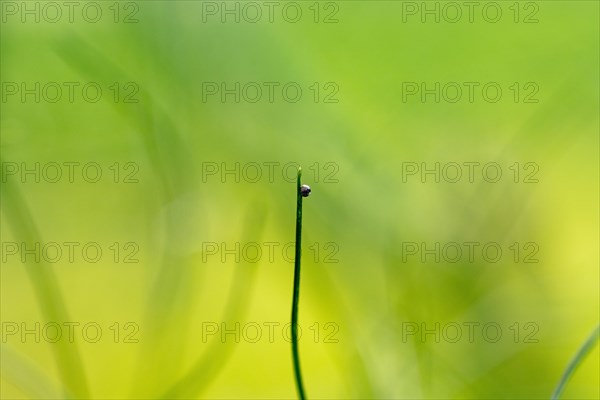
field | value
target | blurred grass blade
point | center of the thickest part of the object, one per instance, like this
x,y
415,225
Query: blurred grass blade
x,y
209,364
587,347
170,293
28,378
171,161
46,289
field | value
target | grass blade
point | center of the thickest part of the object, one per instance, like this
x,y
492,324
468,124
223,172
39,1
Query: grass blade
x,y
585,349
46,289
296,295
32,380
208,366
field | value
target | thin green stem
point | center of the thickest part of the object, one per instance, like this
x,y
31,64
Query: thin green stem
x,y
296,295
585,349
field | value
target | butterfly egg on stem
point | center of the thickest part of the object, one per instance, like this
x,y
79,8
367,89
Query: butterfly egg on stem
x,y
305,190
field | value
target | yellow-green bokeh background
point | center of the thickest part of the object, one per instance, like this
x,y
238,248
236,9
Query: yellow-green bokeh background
x,y
369,213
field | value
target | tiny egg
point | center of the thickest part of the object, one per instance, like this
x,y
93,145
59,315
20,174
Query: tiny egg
x,y
305,190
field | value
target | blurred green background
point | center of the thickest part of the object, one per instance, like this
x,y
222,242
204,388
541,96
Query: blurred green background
x,y
370,309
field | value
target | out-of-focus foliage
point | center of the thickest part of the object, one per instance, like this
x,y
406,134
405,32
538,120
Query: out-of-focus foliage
x,y
382,321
